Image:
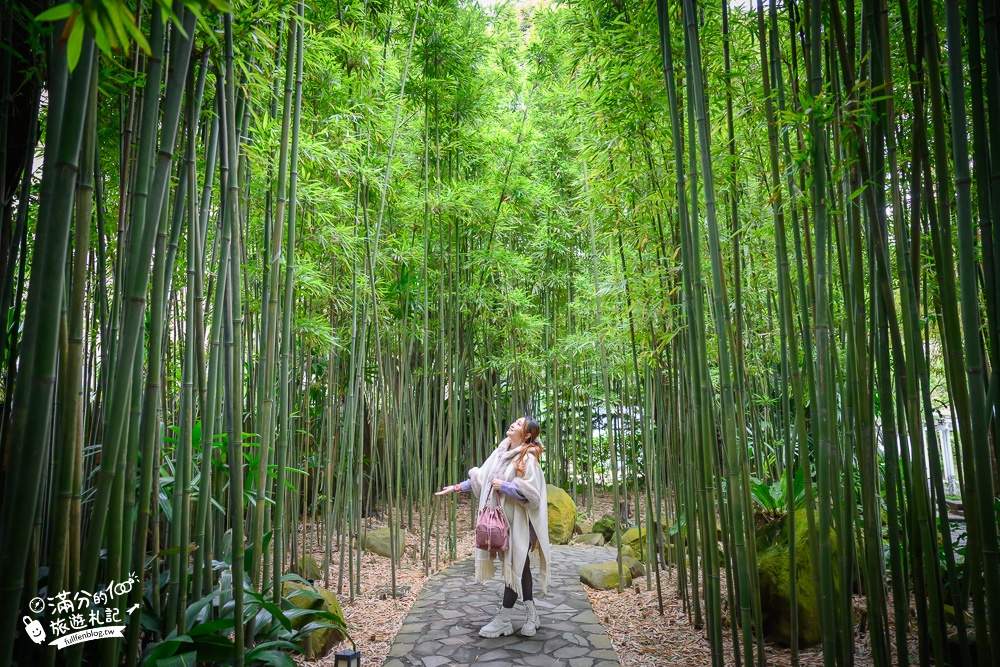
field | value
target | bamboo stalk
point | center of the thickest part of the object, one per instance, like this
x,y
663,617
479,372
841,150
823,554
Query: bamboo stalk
x,y
974,366
33,400
138,271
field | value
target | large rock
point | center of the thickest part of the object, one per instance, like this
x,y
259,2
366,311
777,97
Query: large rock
x,y
604,576
320,642
775,582
593,539
606,526
636,538
562,515
377,541
308,568
634,565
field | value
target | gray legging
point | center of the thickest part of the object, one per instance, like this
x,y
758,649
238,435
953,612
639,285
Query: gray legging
x,y
509,594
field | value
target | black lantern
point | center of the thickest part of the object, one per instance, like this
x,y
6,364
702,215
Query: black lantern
x,y
351,658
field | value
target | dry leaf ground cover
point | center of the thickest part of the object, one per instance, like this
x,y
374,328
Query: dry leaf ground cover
x,y
641,636
644,638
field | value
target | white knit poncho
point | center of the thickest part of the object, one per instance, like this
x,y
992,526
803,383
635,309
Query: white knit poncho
x,y
500,465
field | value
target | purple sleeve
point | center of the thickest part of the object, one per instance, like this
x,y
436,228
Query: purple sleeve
x,y
509,489
466,485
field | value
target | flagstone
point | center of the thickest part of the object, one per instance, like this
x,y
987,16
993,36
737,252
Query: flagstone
x,y
442,626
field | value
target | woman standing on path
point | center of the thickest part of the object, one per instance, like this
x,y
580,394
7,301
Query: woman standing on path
x,y
512,477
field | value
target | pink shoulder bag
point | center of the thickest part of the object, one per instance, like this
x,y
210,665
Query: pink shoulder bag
x,y
492,531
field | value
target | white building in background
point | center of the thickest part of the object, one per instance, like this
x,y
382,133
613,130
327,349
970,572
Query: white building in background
x,y
946,441
942,425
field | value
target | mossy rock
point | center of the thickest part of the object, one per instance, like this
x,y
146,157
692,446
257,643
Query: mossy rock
x,y
308,568
593,539
321,641
955,650
773,576
659,529
604,576
606,526
377,541
636,538
628,551
634,566
562,515
584,527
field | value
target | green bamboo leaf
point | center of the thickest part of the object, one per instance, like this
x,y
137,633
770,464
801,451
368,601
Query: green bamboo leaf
x,y
101,39
58,12
75,42
133,29
116,33
168,14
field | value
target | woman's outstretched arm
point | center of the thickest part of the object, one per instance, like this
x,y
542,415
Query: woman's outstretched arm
x,y
509,489
455,488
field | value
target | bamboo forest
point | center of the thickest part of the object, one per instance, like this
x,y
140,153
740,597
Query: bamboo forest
x,y
276,275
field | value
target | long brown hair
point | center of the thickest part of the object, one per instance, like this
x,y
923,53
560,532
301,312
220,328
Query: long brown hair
x,y
531,444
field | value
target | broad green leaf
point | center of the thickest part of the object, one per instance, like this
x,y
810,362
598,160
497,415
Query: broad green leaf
x,y
276,658
58,12
265,646
188,659
210,627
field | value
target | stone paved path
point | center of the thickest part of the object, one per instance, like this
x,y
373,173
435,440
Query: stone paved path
x,y
442,627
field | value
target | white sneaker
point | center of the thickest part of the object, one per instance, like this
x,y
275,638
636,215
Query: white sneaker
x,y
531,623
500,625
